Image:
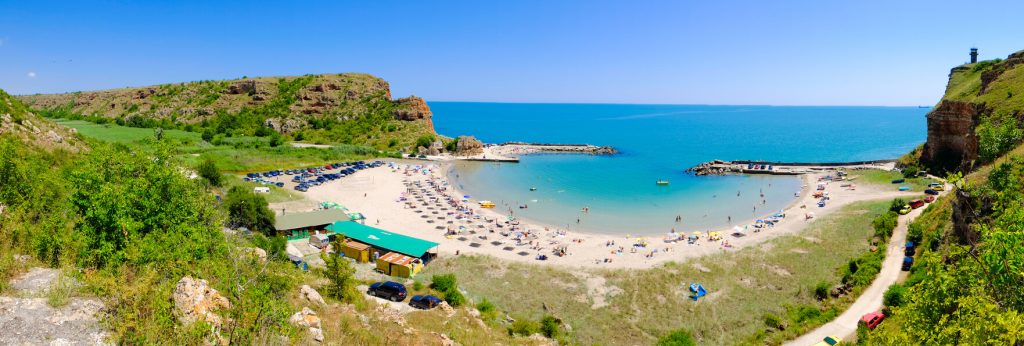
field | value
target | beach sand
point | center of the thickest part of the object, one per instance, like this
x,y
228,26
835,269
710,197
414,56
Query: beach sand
x,y
376,193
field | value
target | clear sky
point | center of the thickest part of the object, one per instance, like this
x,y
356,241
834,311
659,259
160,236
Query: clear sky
x,y
683,52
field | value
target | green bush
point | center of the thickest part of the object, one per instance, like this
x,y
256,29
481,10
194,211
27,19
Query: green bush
x,y
448,286
894,296
897,204
821,290
247,209
885,223
774,322
523,327
208,170
677,338
911,171
425,141
549,326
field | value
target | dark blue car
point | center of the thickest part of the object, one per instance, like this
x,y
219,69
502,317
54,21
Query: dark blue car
x,y
424,302
389,290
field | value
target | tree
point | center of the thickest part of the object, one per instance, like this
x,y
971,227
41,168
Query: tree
x,y
276,140
209,171
158,133
340,273
247,209
677,338
425,141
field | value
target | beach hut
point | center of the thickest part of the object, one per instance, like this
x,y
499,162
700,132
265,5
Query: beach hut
x,y
399,265
356,250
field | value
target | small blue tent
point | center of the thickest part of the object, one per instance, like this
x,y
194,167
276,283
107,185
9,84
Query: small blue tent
x,y
698,291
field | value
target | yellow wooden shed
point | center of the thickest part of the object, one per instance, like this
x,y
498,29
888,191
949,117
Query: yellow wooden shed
x,y
356,250
399,265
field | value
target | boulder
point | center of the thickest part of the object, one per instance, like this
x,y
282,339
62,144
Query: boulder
x,y
317,334
468,146
448,310
306,318
311,295
194,300
412,108
254,252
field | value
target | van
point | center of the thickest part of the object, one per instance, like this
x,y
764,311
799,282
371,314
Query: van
x,y
319,241
261,189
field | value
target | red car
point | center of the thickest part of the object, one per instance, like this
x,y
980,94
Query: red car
x,y
929,199
871,320
916,203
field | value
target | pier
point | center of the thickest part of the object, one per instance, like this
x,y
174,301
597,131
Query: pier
x,y
720,167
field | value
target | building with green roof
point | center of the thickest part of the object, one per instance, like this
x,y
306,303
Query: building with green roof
x,y
385,240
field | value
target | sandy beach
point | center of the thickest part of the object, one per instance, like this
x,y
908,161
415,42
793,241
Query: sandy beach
x,y
423,203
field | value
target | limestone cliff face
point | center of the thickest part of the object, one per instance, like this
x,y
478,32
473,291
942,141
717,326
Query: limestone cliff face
x,y
413,108
952,143
974,92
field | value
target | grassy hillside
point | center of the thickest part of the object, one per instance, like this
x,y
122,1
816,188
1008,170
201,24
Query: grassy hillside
x,y
348,108
965,286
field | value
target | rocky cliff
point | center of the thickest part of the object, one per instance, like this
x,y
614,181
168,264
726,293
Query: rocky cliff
x,y
979,116
18,121
324,105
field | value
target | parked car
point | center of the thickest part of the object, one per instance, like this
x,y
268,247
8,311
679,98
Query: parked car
x,y
906,210
937,186
389,290
931,192
907,263
929,199
829,341
424,302
872,319
914,204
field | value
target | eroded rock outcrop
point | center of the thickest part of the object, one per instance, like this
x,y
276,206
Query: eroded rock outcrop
x,y
194,300
952,143
468,146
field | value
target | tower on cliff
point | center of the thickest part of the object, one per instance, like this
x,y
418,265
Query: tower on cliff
x,y
974,55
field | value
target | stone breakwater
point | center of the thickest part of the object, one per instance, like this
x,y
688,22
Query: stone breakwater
x,y
720,167
529,148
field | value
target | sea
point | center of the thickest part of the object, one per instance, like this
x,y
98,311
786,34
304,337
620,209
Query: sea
x,y
618,194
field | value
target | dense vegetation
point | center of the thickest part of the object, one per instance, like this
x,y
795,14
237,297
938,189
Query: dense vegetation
x,y
336,109
965,287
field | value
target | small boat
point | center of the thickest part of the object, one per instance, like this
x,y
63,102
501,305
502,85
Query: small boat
x,y
533,189
904,188
662,182
898,181
486,204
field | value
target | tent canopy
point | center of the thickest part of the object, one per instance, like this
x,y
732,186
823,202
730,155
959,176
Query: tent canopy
x,y
383,239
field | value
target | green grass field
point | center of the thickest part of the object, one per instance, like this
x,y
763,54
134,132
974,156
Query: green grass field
x,y
885,178
774,278
122,134
236,154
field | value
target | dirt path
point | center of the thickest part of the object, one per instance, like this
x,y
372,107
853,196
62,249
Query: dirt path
x,y
845,326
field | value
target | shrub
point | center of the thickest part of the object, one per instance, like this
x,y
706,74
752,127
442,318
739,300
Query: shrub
x,y
894,296
549,326
417,286
276,139
774,322
911,171
208,170
448,286
425,141
821,290
523,327
340,273
897,204
884,224
677,338
247,209
207,135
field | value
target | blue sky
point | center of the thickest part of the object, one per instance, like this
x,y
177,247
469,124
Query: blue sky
x,y
681,52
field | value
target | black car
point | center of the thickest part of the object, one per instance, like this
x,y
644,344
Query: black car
x,y
424,302
389,290
907,263
931,192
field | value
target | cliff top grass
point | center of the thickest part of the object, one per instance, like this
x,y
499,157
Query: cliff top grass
x,y
1004,94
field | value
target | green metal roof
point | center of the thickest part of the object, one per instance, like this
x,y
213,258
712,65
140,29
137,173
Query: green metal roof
x,y
383,239
310,219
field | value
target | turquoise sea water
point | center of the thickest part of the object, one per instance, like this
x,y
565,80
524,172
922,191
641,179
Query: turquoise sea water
x,y
660,142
